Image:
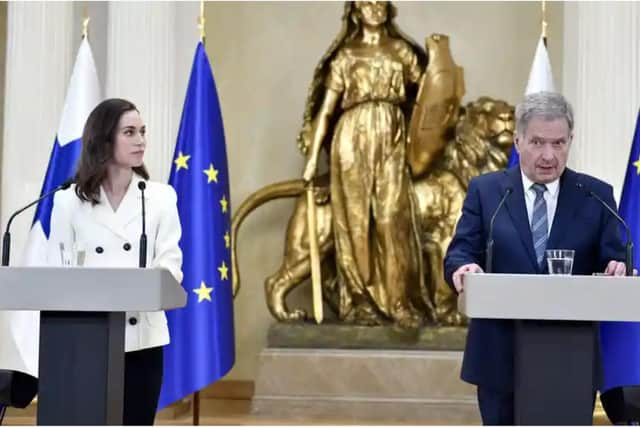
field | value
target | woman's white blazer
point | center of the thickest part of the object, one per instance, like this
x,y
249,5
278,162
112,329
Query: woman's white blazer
x,y
112,239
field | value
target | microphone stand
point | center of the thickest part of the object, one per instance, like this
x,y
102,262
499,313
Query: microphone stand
x,y
143,236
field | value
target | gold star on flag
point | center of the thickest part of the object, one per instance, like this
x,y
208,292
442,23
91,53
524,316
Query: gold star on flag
x,y
224,203
224,271
227,240
637,165
203,292
181,161
212,174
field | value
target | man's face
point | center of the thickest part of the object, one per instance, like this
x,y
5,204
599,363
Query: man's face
x,y
544,149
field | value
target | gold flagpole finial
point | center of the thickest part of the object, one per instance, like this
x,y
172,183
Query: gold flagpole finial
x,y
85,27
544,19
201,21
85,21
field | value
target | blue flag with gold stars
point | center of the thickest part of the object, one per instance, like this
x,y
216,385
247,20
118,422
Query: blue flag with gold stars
x,y
202,347
621,340
514,159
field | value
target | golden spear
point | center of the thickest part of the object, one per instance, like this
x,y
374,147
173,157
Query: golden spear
x,y
314,254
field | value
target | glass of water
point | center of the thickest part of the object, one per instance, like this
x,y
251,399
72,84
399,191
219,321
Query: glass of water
x,y
560,261
72,254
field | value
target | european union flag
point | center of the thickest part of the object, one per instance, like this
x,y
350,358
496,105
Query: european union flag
x,y
514,159
202,338
621,340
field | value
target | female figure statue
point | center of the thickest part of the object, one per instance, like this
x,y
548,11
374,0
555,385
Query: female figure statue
x,y
358,109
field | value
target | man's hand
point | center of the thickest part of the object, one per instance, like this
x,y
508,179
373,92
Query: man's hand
x,y
615,268
461,271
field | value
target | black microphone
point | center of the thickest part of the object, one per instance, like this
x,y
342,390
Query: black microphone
x,y
488,262
143,236
6,238
629,245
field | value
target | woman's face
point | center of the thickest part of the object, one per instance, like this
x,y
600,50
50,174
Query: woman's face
x,y
130,142
373,13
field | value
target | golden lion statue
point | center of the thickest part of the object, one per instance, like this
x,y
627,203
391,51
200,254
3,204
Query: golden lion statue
x,y
483,138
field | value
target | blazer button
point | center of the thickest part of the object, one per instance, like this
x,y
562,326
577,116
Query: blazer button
x,y
127,246
133,321
99,249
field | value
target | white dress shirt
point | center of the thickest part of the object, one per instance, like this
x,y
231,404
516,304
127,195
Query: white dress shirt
x,y
550,197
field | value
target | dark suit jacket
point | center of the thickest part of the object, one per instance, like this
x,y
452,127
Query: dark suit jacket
x,y
580,223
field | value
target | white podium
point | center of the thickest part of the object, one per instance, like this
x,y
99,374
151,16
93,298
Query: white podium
x,y
82,325
556,336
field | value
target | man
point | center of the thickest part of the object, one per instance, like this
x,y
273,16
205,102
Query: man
x,y
548,207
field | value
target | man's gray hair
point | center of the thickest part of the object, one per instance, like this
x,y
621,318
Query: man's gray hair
x,y
546,105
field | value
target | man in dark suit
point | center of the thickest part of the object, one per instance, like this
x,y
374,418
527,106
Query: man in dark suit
x,y
549,207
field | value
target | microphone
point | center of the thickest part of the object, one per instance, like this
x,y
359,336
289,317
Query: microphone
x,y
6,238
488,262
143,237
628,261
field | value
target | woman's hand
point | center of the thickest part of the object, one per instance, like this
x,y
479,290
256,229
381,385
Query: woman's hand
x,y
305,138
317,131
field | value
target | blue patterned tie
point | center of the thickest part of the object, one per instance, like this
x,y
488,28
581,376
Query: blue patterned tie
x,y
539,226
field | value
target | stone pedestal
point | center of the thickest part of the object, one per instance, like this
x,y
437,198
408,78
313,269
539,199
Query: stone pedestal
x,y
355,384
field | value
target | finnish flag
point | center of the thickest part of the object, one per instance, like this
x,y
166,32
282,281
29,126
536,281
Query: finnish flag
x,y
19,330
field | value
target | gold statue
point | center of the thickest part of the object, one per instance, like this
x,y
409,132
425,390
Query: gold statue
x,y
393,190
377,247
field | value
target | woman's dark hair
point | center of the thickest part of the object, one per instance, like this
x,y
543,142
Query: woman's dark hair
x,y
98,142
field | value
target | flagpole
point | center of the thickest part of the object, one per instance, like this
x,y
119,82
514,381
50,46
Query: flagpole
x,y
544,22
196,395
85,22
196,408
201,22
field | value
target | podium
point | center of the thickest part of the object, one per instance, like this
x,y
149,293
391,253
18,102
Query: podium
x,y
556,337
82,328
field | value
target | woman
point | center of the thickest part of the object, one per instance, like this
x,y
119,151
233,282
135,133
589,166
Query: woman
x,y
102,214
366,83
